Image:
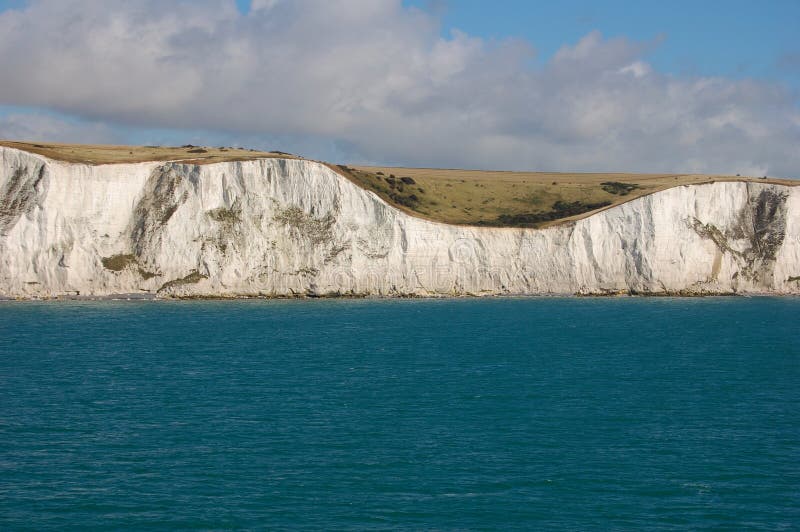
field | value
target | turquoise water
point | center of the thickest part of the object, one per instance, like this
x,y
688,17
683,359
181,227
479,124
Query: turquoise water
x,y
454,414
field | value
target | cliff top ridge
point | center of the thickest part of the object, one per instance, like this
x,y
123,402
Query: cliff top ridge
x,y
454,196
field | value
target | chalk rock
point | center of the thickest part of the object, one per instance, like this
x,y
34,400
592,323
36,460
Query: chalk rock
x,y
285,227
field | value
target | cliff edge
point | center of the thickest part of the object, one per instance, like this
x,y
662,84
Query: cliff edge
x,y
293,227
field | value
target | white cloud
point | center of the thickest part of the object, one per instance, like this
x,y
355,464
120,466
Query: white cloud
x,y
638,69
375,79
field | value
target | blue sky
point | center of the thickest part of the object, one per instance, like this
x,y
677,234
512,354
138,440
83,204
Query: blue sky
x,y
711,86
735,38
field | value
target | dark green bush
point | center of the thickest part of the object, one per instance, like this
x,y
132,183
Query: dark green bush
x,y
620,189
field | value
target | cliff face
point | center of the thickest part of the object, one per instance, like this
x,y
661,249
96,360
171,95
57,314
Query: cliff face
x,y
293,227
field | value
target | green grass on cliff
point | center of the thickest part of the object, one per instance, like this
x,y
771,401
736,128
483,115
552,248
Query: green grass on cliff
x,y
106,154
514,199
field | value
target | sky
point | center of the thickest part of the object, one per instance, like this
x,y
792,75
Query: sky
x,y
647,86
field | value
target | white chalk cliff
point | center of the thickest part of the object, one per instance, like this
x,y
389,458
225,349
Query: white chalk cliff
x,y
283,227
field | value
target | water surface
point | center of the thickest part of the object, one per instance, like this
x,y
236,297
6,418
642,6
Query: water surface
x,y
452,414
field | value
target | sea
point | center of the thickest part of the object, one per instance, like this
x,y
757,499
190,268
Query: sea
x,y
453,414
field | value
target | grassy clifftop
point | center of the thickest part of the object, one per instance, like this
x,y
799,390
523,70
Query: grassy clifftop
x,y
466,197
515,199
106,154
